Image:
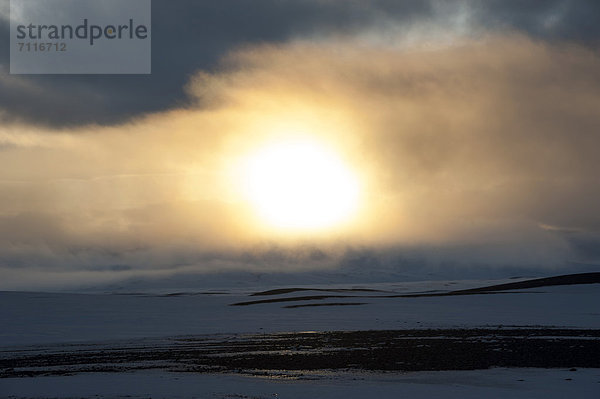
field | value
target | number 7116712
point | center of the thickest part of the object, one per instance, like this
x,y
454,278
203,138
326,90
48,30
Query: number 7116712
x,y
39,47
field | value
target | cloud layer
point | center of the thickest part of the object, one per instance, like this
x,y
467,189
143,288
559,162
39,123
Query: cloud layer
x,y
477,152
189,35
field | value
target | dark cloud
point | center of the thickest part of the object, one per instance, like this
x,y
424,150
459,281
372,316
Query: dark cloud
x,y
192,35
572,20
186,36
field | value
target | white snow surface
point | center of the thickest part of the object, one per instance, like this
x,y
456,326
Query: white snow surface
x,y
28,319
45,318
514,383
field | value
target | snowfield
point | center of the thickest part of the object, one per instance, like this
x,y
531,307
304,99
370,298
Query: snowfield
x,y
476,384
41,318
52,323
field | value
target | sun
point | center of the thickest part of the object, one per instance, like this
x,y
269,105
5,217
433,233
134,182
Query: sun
x,y
300,185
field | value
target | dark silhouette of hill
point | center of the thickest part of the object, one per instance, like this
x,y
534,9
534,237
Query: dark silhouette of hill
x,y
567,279
280,291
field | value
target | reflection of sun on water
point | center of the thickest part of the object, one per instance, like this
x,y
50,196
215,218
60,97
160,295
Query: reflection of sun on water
x,y
300,185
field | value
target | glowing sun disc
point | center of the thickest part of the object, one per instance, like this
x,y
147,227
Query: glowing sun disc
x,y
300,186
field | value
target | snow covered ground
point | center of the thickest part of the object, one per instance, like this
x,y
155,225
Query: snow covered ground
x,y
28,319
41,318
493,383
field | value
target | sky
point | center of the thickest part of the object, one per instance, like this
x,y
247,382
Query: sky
x,y
468,132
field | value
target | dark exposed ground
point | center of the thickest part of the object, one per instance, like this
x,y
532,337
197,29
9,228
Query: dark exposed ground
x,y
568,279
312,305
408,350
280,291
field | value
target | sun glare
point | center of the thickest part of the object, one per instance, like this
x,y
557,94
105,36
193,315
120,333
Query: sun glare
x,y
300,186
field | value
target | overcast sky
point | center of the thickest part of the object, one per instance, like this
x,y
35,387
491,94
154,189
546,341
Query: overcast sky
x,y
474,125
192,35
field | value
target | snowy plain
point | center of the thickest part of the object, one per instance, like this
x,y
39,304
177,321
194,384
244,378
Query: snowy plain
x,y
493,383
34,321
43,318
